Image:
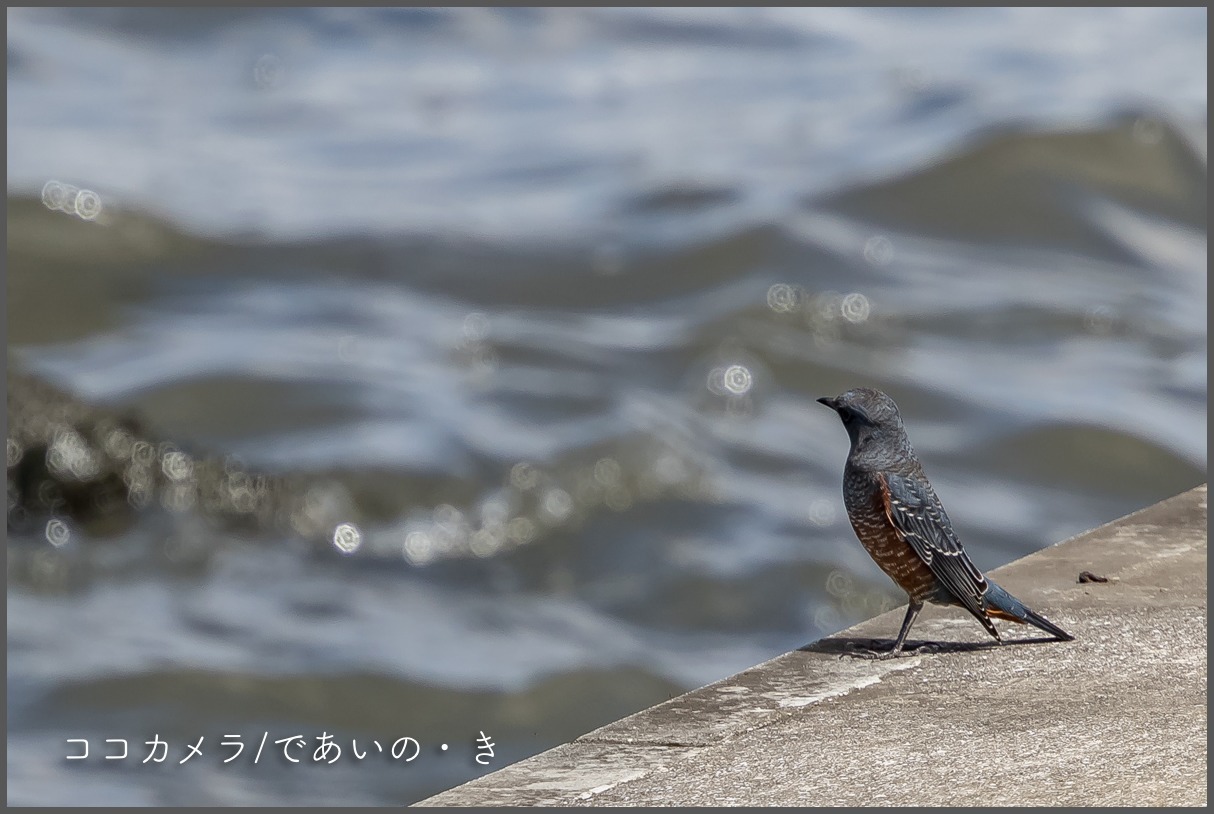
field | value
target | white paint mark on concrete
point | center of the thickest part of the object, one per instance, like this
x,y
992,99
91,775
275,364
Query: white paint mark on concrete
x,y
843,688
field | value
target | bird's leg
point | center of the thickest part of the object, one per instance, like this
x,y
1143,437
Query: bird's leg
x,y
912,611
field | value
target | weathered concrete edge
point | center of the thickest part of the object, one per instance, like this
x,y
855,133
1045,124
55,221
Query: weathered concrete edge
x,y
658,738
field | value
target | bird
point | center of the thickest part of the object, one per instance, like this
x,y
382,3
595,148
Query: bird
x,y
898,519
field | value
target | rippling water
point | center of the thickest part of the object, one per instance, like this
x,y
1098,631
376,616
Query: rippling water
x,y
547,297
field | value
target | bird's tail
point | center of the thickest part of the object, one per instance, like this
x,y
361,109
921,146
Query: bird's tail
x,y
1002,605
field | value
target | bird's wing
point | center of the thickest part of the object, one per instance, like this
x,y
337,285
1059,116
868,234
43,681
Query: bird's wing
x,y
916,513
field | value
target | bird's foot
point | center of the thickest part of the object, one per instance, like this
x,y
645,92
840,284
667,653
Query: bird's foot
x,y
890,652
858,651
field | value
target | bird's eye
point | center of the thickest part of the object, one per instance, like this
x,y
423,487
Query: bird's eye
x,y
847,415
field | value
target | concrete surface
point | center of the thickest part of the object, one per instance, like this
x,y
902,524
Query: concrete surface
x,y
1117,717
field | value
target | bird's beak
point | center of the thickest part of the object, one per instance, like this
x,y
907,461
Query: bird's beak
x,y
829,402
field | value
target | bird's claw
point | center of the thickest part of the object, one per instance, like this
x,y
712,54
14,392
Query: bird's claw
x,y
861,652
872,652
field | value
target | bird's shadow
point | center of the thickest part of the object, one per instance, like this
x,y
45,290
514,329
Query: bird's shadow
x,y
865,648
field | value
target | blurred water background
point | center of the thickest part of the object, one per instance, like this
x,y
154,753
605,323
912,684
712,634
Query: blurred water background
x,y
530,308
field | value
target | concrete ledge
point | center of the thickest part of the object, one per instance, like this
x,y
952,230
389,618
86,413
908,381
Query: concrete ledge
x,y
1117,717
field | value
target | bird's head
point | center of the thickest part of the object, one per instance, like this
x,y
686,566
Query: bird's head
x,y
873,424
